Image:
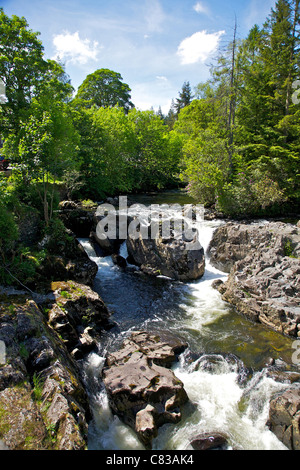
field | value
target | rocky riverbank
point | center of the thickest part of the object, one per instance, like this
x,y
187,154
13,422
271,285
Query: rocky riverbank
x,y
44,403
141,388
263,262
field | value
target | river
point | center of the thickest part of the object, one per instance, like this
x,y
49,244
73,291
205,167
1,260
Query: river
x,y
224,370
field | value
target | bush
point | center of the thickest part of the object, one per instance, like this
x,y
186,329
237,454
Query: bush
x,y
57,241
8,231
253,194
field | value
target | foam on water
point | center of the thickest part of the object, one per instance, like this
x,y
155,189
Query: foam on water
x,y
222,401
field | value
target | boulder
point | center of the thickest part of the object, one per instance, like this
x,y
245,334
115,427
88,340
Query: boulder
x,y
264,268
210,441
174,258
141,390
78,315
77,218
72,264
284,418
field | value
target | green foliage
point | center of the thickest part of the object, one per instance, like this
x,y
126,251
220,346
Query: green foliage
x,y
21,68
242,134
8,231
57,240
252,193
38,384
124,153
206,166
104,88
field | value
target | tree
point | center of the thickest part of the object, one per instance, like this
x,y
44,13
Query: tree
x,y
269,122
171,117
185,97
158,151
46,145
21,68
104,88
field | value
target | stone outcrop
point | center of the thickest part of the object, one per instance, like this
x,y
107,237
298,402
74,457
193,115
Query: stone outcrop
x,y
141,388
67,261
43,403
79,316
77,218
284,418
263,261
172,257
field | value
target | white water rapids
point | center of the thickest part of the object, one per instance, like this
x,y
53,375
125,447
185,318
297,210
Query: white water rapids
x,y
223,401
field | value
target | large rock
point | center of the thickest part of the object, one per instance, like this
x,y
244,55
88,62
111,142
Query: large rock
x,y
77,218
264,266
142,391
234,242
284,418
43,403
172,257
78,315
71,262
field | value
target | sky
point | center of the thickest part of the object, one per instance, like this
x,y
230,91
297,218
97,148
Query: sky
x,y
156,45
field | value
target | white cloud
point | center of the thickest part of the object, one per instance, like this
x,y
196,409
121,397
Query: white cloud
x,y
201,8
72,49
154,16
161,77
198,47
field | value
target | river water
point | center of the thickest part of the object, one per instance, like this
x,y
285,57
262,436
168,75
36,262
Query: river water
x,y
224,370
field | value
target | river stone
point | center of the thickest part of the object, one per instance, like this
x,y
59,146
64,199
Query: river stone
x,y
209,441
284,418
263,261
172,257
141,390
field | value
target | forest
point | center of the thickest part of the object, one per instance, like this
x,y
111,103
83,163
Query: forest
x,y
232,142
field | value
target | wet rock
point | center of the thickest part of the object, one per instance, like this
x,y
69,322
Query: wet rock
x,y
145,424
79,315
174,258
210,441
77,218
141,390
73,264
284,418
263,261
119,260
29,226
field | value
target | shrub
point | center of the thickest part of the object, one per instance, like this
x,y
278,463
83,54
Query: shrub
x,y
250,194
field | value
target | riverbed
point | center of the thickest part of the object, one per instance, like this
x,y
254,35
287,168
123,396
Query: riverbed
x,y
225,369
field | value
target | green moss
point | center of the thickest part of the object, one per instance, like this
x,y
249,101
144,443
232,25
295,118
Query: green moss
x,y
289,249
4,422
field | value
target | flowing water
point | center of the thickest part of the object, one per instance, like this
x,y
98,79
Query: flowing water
x,y
224,369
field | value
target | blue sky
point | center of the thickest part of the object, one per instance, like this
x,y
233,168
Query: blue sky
x,y
156,45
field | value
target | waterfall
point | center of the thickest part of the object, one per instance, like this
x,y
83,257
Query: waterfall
x,y
196,312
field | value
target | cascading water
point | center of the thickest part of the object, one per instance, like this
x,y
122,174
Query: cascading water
x,y
222,370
